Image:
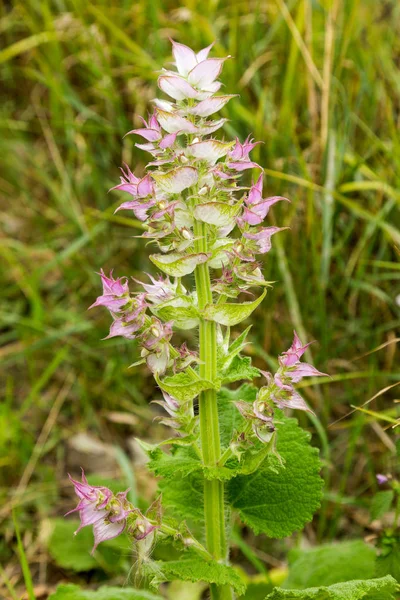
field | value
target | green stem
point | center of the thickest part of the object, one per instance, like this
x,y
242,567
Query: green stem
x,y
214,511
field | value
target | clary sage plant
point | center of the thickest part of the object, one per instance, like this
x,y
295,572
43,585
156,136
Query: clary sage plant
x,y
229,451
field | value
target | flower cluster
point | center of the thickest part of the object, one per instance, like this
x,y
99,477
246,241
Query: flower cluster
x,y
111,514
191,182
130,320
279,391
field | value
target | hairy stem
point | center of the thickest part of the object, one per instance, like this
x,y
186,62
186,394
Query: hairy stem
x,y
214,513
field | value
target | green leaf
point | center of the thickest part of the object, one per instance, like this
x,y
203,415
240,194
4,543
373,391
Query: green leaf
x,y
240,368
388,560
330,563
371,589
219,214
231,313
183,462
184,496
280,502
72,552
196,569
74,592
183,386
381,503
178,265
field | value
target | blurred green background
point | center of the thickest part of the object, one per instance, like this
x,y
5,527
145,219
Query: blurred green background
x,y
319,84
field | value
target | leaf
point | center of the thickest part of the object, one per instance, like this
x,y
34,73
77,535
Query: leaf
x,y
279,503
197,569
176,180
219,214
177,265
184,496
183,387
388,560
240,368
183,462
331,563
371,589
74,592
231,313
73,552
381,503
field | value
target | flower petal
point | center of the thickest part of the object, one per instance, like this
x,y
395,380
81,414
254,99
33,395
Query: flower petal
x,y
105,530
263,237
151,135
167,142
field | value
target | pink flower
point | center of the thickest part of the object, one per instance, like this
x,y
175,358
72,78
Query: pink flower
x,y
115,292
155,341
262,238
295,352
159,290
257,207
238,157
382,479
151,131
98,507
140,189
131,320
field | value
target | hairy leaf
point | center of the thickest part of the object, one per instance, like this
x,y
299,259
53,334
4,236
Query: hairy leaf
x,y
279,503
330,563
177,265
184,496
371,589
197,569
231,313
240,368
183,386
74,592
183,462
